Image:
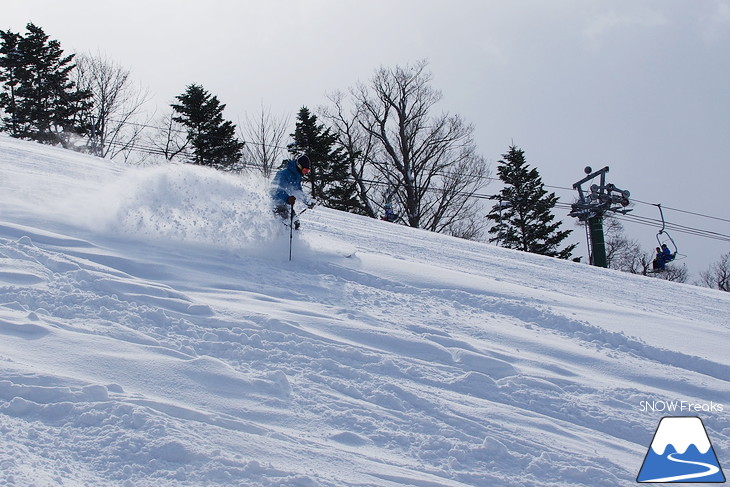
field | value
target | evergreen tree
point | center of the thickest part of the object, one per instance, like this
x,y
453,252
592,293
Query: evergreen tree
x,y
10,65
40,102
329,178
211,137
523,218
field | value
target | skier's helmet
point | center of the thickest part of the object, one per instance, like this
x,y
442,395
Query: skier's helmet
x,y
303,164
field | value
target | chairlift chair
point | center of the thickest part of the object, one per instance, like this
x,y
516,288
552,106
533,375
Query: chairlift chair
x,y
664,238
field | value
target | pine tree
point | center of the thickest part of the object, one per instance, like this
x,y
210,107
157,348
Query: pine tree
x,y
523,218
211,137
11,62
40,102
329,179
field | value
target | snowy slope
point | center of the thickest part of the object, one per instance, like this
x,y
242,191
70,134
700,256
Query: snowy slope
x,y
154,333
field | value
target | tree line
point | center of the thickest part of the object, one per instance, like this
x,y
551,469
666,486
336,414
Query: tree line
x,y
380,143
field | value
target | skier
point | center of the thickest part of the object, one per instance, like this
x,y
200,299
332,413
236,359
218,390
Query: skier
x,y
287,186
390,215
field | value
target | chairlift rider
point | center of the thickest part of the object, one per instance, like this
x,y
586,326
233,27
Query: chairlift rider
x,y
663,255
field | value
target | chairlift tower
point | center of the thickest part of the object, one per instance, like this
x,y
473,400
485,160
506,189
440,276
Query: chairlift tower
x,y
592,205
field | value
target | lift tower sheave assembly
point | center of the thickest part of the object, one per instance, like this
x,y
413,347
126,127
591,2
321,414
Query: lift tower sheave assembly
x,y
592,204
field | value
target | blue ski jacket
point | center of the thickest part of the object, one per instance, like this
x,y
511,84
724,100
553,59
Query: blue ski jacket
x,y
666,254
287,182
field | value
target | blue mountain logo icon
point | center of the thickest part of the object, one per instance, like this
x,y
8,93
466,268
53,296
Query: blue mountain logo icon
x,y
681,452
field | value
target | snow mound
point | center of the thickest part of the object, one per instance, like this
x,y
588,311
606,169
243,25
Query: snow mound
x,y
185,203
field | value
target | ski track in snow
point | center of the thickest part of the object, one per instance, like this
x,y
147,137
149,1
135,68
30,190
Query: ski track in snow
x,y
153,334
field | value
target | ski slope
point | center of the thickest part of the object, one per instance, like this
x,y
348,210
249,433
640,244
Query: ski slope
x,y
154,333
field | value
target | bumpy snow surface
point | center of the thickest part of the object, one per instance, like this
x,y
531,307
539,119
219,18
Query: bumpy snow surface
x,y
154,333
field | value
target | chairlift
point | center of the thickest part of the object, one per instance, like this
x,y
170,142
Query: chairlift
x,y
664,238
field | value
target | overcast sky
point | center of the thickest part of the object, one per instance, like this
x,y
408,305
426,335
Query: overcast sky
x,y
641,86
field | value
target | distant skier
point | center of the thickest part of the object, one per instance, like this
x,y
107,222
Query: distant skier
x,y
389,215
287,186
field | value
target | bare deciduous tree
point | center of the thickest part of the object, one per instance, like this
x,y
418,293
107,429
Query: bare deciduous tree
x,y
264,135
430,160
114,122
673,272
718,274
169,138
622,253
359,147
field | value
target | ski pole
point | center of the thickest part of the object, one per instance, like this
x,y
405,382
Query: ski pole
x,y
291,229
309,208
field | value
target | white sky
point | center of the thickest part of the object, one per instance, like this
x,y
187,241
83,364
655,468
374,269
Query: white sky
x,y
640,86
